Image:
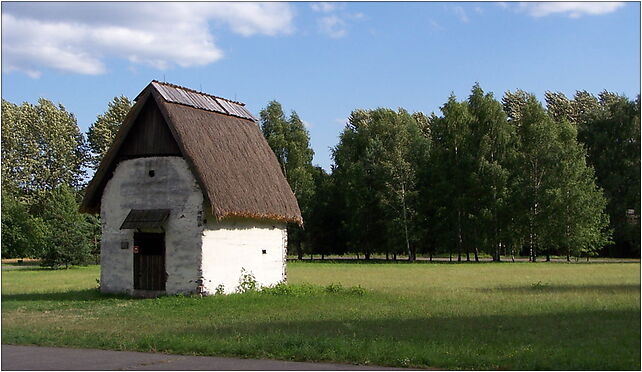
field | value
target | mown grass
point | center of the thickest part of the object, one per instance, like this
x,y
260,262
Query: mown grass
x,y
479,316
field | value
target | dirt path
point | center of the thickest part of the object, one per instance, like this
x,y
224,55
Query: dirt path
x,y
21,358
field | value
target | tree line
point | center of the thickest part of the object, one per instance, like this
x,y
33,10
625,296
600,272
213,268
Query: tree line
x,y
497,177
45,164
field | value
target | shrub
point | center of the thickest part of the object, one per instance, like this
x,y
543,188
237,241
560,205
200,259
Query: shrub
x,y
70,236
247,282
22,234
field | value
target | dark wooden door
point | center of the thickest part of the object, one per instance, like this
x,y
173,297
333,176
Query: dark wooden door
x,y
149,261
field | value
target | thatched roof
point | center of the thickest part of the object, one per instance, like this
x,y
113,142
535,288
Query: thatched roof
x,y
225,149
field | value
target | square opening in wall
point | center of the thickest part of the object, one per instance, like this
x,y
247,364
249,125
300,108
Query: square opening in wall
x,y
264,251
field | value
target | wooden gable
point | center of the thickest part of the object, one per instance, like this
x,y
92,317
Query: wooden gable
x,y
149,136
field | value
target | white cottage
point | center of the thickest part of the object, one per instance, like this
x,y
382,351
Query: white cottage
x,y
190,197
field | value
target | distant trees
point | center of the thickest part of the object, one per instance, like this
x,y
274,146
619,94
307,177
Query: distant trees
x,y
484,177
70,237
42,148
22,232
609,127
564,209
44,155
101,133
290,142
324,229
376,171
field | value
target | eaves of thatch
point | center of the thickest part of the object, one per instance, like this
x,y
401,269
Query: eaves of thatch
x,y
225,149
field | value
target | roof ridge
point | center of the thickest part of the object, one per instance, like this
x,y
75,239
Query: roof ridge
x,y
196,91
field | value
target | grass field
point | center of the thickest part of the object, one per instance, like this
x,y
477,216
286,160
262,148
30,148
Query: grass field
x,y
460,316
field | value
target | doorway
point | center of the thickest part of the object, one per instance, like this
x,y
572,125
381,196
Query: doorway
x,y
149,261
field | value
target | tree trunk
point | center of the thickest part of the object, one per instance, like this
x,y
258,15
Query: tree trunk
x,y
459,237
405,222
394,256
548,257
534,252
299,251
430,254
367,255
322,256
387,255
476,255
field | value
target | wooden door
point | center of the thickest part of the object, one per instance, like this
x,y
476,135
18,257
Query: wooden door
x,y
149,261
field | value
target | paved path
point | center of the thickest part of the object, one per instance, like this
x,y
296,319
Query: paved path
x,y
54,358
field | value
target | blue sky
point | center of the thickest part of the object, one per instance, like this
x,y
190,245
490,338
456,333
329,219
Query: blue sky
x,y
322,60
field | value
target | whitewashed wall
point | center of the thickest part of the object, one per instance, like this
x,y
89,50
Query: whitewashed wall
x,y
172,187
234,244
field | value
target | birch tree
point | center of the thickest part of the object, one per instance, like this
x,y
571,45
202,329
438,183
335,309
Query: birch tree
x,y
101,132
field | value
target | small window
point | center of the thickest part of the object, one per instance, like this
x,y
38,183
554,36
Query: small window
x,y
152,173
264,251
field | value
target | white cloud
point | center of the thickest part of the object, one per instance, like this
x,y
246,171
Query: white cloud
x,y
78,37
324,7
435,26
572,9
307,124
461,14
333,26
336,18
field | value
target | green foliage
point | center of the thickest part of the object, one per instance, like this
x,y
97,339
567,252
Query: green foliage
x,y
22,234
247,282
580,224
376,171
469,179
612,139
71,237
307,289
101,133
560,207
42,148
220,289
324,231
290,142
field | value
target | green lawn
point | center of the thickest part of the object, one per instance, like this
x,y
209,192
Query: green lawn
x,y
461,316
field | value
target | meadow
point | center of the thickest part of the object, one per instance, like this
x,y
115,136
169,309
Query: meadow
x,y
456,316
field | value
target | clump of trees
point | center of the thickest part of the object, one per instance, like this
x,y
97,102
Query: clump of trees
x,y
498,177
44,162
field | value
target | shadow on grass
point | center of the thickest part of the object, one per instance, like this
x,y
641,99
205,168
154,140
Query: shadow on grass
x,y
25,267
75,295
442,260
564,340
381,261
542,287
